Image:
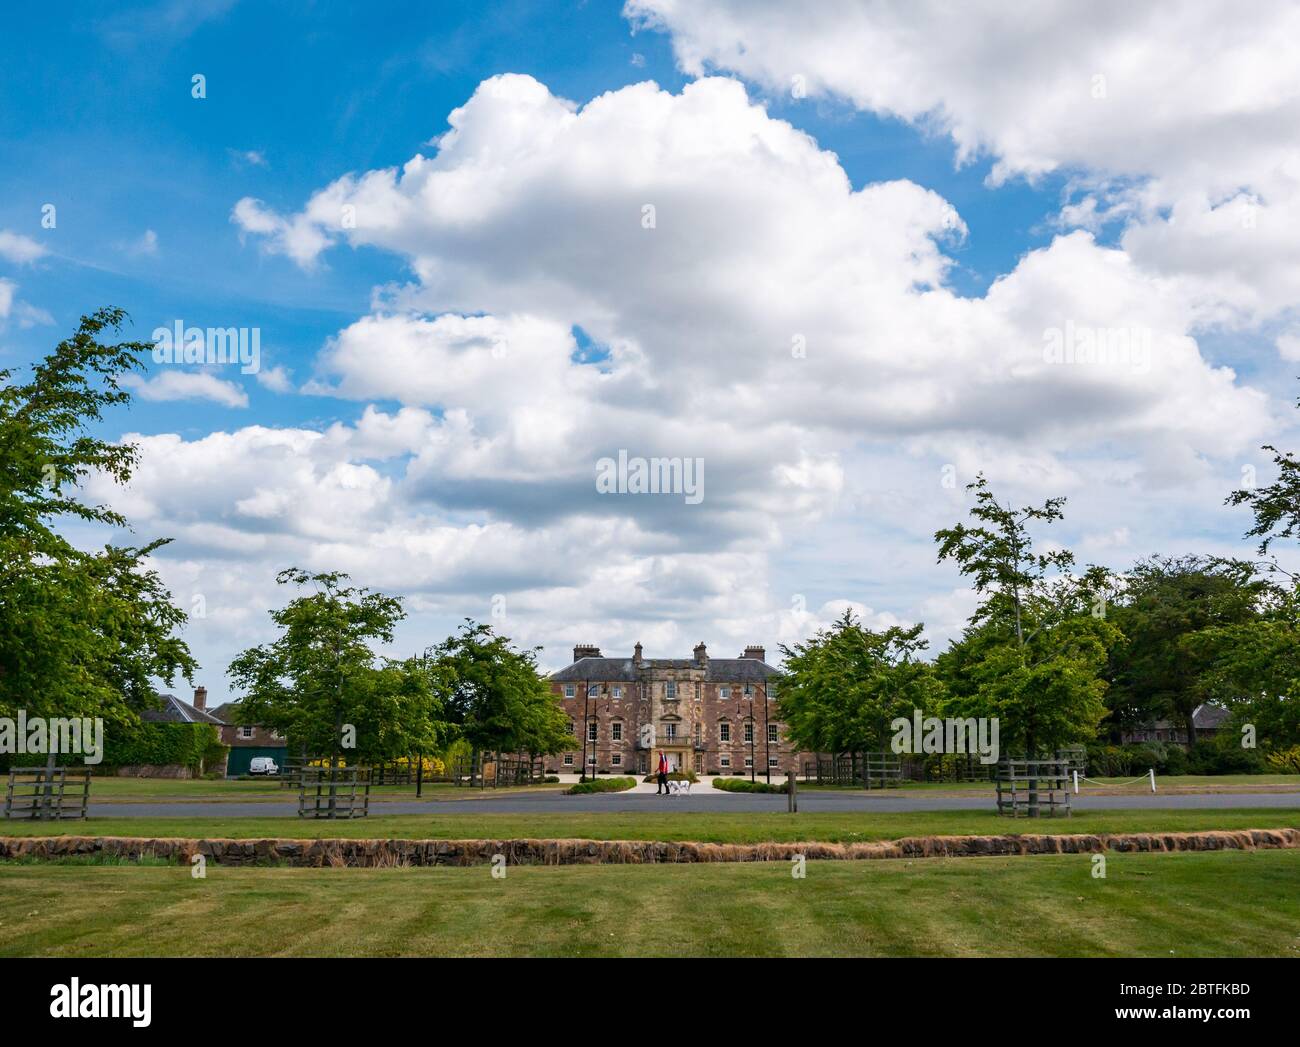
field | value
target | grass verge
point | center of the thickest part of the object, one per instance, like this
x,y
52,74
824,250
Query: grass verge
x,y
1218,904
700,826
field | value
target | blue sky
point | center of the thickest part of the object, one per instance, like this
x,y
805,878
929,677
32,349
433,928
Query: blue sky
x,y
318,92
817,505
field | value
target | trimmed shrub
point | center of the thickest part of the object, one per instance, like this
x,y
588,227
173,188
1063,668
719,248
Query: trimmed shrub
x,y
602,785
744,785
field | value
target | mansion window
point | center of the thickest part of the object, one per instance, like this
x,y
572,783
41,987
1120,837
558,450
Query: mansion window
x,y
618,692
568,690
749,761
616,731
724,732
568,759
593,691
670,732
772,761
616,759
724,692
245,732
772,732
726,761
591,731
670,690
749,690
749,732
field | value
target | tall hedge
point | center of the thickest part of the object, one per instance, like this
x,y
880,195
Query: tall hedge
x,y
192,745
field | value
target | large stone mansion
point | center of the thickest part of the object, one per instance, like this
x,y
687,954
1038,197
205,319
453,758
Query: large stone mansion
x,y
708,715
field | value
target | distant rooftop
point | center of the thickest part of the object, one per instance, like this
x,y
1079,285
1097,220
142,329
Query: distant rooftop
x,y
590,664
176,711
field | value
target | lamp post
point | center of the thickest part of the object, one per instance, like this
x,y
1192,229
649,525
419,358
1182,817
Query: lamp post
x,y
767,739
586,727
750,717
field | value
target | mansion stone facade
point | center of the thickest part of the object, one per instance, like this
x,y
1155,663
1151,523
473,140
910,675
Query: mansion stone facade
x,y
707,715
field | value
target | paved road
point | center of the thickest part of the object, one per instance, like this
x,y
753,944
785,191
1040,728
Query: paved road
x,y
552,803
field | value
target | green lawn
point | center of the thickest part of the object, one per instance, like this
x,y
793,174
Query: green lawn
x,y
174,790
705,827
1164,783
1205,904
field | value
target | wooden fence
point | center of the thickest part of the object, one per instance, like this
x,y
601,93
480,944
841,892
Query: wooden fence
x,y
41,794
871,770
948,767
494,770
341,792
1027,787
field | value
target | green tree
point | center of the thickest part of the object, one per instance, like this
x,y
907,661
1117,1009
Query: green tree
x,y
496,699
1036,646
1258,664
321,676
840,690
1255,666
1164,669
1276,507
81,633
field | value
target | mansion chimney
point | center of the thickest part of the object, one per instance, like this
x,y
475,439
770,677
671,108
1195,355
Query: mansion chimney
x,y
756,652
201,698
636,656
585,650
701,655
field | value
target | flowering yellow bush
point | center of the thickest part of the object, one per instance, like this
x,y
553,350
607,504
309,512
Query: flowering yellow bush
x,y
1284,761
433,765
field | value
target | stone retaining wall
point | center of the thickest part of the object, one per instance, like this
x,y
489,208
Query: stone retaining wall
x,y
386,853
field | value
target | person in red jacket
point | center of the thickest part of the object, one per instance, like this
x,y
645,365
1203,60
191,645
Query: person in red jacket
x,y
663,774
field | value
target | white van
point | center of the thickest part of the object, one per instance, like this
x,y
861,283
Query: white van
x,y
263,765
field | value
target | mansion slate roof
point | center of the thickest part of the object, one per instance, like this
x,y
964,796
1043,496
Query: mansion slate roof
x,y
720,670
